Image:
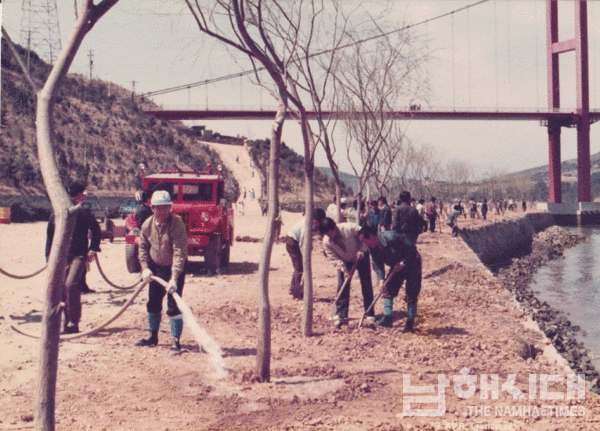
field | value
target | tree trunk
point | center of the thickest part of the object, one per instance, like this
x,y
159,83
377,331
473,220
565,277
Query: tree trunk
x,y
44,402
263,351
309,169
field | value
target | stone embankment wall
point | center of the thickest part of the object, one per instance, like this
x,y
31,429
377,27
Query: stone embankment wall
x,y
499,242
496,243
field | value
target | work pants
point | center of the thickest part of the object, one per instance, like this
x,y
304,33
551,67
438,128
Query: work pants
x,y
412,274
156,292
71,295
364,274
431,218
293,248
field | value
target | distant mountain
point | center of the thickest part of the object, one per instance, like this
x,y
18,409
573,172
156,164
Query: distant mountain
x,y
568,170
349,180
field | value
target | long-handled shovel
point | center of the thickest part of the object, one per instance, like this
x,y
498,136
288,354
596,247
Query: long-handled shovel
x,y
398,267
346,283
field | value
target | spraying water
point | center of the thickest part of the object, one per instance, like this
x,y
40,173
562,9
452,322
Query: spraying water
x,y
204,340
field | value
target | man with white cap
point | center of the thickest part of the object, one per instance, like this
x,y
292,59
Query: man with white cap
x,y
163,253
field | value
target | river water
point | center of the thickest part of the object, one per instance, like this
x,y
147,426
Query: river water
x,y
572,285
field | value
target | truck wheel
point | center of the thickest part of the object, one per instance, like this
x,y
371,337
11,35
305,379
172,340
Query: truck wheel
x,y
225,251
212,258
131,258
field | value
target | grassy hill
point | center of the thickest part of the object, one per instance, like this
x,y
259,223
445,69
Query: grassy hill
x,y
101,135
291,182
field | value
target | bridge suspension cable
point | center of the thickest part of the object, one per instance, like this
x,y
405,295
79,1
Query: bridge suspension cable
x,y
327,51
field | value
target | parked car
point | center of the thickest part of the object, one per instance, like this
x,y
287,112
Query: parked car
x,y
129,206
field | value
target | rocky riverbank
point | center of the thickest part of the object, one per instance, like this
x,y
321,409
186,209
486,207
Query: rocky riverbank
x,y
517,278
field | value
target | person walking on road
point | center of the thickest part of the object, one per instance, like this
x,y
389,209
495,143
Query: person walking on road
x,y
163,253
431,212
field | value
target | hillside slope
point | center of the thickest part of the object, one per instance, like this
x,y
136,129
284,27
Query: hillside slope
x,y
101,135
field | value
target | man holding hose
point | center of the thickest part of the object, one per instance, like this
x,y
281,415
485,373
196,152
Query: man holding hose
x,y
163,253
400,254
344,250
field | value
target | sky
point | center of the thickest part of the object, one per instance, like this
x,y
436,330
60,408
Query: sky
x,y
490,56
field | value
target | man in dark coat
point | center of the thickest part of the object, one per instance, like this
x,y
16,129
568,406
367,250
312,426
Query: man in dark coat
x,y
145,210
396,251
407,220
80,252
385,214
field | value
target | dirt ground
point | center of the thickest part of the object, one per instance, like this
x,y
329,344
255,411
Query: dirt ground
x,y
346,379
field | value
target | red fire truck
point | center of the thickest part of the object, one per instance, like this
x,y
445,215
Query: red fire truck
x,y
199,199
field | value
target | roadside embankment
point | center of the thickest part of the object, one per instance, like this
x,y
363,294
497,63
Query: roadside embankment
x,y
516,249
498,242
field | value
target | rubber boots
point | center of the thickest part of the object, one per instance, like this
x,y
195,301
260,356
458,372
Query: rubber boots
x,y
176,327
150,341
386,321
175,347
153,327
411,313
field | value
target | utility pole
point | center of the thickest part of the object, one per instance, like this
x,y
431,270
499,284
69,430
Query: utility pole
x,y
132,90
91,55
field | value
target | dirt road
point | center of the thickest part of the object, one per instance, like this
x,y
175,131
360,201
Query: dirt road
x,y
346,379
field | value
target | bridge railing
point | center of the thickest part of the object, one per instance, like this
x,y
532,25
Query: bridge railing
x,y
413,108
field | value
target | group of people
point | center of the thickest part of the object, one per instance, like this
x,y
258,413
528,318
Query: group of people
x,y
380,213
385,239
388,240
162,253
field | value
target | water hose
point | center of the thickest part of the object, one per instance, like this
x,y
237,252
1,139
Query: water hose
x,y
111,283
67,337
21,277
202,338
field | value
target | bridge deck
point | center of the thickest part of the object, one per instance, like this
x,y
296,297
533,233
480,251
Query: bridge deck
x,y
564,118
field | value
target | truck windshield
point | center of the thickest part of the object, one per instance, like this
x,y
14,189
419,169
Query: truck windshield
x,y
169,187
202,192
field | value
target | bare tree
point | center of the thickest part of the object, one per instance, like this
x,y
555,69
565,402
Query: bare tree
x,y
372,80
254,29
310,73
459,174
89,14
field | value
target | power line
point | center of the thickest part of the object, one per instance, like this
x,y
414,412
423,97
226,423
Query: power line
x,y
260,69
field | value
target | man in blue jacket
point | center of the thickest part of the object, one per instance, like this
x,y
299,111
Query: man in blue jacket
x,y
400,254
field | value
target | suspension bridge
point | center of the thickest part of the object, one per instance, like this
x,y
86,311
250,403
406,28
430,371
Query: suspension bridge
x,y
554,116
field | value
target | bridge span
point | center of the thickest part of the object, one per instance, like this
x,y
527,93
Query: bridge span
x,y
562,117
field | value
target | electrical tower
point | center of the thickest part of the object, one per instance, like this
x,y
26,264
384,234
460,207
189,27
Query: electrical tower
x,y
39,29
